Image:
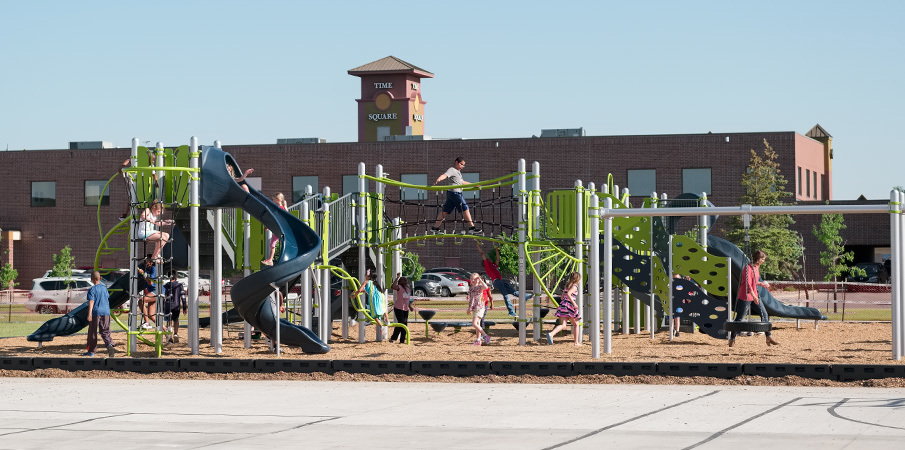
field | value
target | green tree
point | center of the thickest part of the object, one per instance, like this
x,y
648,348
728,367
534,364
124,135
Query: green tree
x,y
765,186
834,258
63,263
508,262
8,275
410,265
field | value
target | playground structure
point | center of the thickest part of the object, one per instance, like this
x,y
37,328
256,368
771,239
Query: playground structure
x,y
554,233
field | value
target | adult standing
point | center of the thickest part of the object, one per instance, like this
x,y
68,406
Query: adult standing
x,y
455,201
99,315
747,293
492,269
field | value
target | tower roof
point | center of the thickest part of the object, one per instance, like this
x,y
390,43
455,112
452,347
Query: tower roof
x,y
818,132
390,64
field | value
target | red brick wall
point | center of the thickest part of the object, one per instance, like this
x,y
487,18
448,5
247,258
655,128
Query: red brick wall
x,y
562,161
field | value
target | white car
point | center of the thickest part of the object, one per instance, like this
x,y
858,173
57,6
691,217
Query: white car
x,y
57,295
450,283
204,282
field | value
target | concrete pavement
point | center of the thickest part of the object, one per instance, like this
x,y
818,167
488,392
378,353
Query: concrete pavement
x,y
74,413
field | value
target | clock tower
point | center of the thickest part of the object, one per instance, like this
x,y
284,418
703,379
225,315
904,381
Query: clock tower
x,y
390,103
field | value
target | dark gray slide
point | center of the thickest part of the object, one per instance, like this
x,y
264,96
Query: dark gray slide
x,y
775,308
77,319
301,245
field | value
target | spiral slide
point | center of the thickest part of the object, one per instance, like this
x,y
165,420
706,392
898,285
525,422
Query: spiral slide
x,y
75,320
300,249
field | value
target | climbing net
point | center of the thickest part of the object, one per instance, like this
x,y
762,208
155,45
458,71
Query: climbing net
x,y
493,207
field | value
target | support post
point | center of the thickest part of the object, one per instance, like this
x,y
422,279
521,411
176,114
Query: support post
x,y
594,274
305,283
381,252
536,282
651,309
522,229
195,195
607,276
579,252
362,240
895,208
216,294
324,321
133,254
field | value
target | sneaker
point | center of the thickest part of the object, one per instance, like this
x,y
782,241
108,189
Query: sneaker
x,y
549,339
267,262
435,230
88,354
513,314
477,342
111,350
487,339
474,230
146,326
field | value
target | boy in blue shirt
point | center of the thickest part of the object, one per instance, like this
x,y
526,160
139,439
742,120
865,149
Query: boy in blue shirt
x,y
99,315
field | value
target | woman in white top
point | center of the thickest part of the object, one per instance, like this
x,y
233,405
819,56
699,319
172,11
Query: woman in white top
x,y
147,228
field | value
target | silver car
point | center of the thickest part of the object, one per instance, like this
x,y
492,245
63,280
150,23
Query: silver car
x,y
450,283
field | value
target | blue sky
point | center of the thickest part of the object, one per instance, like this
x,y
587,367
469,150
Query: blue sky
x,y
252,72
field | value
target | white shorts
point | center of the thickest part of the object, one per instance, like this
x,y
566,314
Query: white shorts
x,y
478,313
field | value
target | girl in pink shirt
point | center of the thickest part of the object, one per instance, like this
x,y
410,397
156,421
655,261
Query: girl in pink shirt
x,y
747,293
476,286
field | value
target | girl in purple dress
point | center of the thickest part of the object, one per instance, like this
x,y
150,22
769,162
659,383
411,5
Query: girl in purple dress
x,y
568,309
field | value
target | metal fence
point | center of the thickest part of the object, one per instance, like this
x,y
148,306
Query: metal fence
x,y
842,301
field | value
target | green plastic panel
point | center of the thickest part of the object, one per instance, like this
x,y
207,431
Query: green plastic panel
x,y
709,271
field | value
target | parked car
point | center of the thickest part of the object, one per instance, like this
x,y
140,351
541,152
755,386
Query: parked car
x,y
57,295
76,273
204,281
450,283
426,288
874,273
458,271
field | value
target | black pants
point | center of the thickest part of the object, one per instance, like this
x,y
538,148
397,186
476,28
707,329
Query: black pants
x,y
99,324
741,310
403,318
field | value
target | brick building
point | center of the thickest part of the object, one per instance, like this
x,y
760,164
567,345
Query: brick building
x,y
50,195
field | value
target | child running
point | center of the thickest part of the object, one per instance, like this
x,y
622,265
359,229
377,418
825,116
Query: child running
x,y
568,309
476,286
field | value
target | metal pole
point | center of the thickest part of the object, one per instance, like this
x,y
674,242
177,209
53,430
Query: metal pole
x,y
216,295
522,229
594,274
579,252
325,322
895,207
672,331
246,256
195,240
651,326
381,251
607,275
535,214
362,240
901,273
305,283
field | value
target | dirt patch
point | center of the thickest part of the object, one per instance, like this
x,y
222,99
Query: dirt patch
x,y
831,343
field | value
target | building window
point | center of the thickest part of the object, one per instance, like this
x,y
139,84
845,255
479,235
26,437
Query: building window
x,y
93,194
642,181
816,191
419,179
799,181
807,182
821,182
696,181
257,183
350,184
299,184
471,177
43,193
